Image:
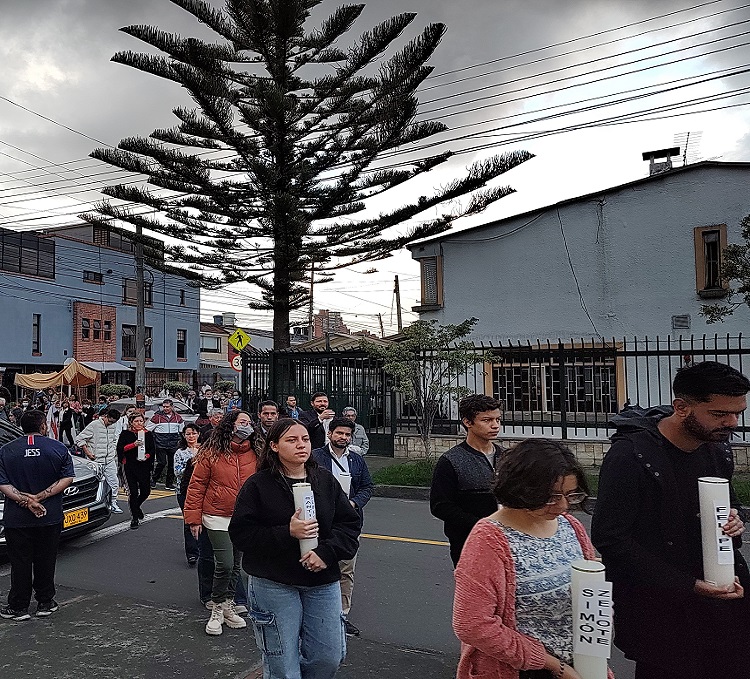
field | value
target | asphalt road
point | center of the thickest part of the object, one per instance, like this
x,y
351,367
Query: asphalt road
x,y
129,606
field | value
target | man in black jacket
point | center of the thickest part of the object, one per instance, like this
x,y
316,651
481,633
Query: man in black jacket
x,y
317,419
646,525
461,491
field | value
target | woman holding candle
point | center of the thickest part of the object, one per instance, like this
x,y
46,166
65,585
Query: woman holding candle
x,y
513,608
223,463
135,451
295,596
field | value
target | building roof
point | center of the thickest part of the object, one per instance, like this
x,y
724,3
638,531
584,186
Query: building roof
x,y
568,201
336,342
215,329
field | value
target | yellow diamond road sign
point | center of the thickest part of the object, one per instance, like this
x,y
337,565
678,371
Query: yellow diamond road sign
x,y
239,339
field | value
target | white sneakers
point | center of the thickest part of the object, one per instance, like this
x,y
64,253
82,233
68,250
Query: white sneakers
x,y
231,618
224,614
213,626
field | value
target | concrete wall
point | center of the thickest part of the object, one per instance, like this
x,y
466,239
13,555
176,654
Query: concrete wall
x,y
589,453
632,250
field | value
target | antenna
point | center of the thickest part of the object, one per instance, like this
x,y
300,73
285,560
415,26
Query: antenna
x,y
690,142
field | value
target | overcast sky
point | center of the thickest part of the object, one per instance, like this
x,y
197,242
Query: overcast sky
x,y
55,57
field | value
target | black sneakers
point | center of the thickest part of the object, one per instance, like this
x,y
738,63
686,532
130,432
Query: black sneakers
x,y
351,630
45,608
134,524
11,614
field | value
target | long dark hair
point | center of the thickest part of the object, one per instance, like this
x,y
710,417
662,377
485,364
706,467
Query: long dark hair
x,y
220,439
183,440
269,458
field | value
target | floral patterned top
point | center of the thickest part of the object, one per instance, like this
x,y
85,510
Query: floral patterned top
x,y
544,607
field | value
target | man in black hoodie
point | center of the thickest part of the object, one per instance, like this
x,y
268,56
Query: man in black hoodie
x,y
461,491
647,527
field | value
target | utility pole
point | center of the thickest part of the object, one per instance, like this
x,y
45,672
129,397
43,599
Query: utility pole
x,y
382,331
310,307
140,317
397,292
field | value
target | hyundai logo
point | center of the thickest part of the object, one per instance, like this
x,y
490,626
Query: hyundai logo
x,y
71,490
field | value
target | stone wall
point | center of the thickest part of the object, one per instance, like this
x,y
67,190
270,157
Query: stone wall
x,y
589,453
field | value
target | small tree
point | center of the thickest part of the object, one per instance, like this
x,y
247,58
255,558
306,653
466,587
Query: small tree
x,y
735,269
426,363
177,388
223,385
120,390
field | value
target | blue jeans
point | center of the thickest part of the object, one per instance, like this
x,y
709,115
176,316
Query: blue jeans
x,y
299,630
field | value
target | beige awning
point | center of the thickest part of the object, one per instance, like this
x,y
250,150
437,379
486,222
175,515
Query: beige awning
x,y
74,374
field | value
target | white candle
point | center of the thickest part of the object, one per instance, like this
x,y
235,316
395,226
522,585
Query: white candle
x,y
718,550
142,447
305,500
592,619
345,479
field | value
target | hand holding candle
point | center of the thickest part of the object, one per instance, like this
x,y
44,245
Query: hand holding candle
x,y
304,525
718,550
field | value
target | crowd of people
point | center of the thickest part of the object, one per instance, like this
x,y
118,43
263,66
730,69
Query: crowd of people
x,y
506,513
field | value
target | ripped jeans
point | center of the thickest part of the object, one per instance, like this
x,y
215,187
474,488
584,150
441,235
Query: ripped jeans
x,y
299,630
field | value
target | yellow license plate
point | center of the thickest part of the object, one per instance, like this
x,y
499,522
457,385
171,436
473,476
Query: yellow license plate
x,y
73,518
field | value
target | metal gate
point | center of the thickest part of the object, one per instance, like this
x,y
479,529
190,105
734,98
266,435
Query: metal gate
x,y
349,378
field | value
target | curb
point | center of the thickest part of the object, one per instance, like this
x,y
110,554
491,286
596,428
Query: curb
x,y
402,492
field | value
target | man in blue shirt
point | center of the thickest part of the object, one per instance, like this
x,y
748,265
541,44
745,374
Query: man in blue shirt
x,y
34,471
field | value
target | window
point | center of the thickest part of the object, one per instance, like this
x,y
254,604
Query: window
x,y
93,277
97,329
130,294
432,281
27,253
36,334
101,235
182,298
710,242
85,328
182,344
129,345
107,331
211,344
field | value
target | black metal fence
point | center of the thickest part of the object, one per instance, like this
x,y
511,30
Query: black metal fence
x,y
563,389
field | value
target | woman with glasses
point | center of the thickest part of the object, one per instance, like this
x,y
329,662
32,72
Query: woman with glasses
x,y
513,610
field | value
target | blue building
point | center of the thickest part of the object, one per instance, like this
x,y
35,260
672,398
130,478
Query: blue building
x,y
70,292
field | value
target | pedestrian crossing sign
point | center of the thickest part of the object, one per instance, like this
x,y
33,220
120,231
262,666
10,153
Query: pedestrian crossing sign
x,y
239,339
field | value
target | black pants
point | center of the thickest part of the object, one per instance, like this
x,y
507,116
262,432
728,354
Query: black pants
x,y
165,458
191,544
32,553
138,476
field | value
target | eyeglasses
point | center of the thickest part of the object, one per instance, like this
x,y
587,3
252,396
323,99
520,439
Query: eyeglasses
x,y
574,498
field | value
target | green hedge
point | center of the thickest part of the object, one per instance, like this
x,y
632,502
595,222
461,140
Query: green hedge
x,y
419,473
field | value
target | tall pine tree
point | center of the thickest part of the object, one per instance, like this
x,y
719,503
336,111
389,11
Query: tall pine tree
x,y
262,180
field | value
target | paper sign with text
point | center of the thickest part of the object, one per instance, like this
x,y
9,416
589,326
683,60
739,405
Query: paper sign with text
x,y
592,631
724,546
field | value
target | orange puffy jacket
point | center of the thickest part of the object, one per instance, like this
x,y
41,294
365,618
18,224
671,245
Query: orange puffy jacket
x,y
214,486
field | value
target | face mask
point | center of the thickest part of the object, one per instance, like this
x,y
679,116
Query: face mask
x,y
24,403
244,432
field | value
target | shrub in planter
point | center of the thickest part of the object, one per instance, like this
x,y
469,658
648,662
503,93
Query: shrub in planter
x,y
223,385
119,390
177,388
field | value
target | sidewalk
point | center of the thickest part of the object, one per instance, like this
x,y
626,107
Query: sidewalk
x,y
98,635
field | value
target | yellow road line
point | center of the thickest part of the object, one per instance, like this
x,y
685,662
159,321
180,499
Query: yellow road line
x,y
391,538
154,495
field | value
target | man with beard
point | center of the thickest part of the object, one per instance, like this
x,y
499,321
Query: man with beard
x,y
646,525
318,419
268,413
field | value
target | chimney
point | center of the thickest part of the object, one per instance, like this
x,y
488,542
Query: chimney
x,y
229,320
657,168
218,320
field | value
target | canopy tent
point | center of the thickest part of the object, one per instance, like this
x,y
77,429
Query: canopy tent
x,y
73,374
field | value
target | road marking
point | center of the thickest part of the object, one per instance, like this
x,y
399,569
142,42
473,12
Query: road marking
x,y
370,536
154,495
394,538
118,528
